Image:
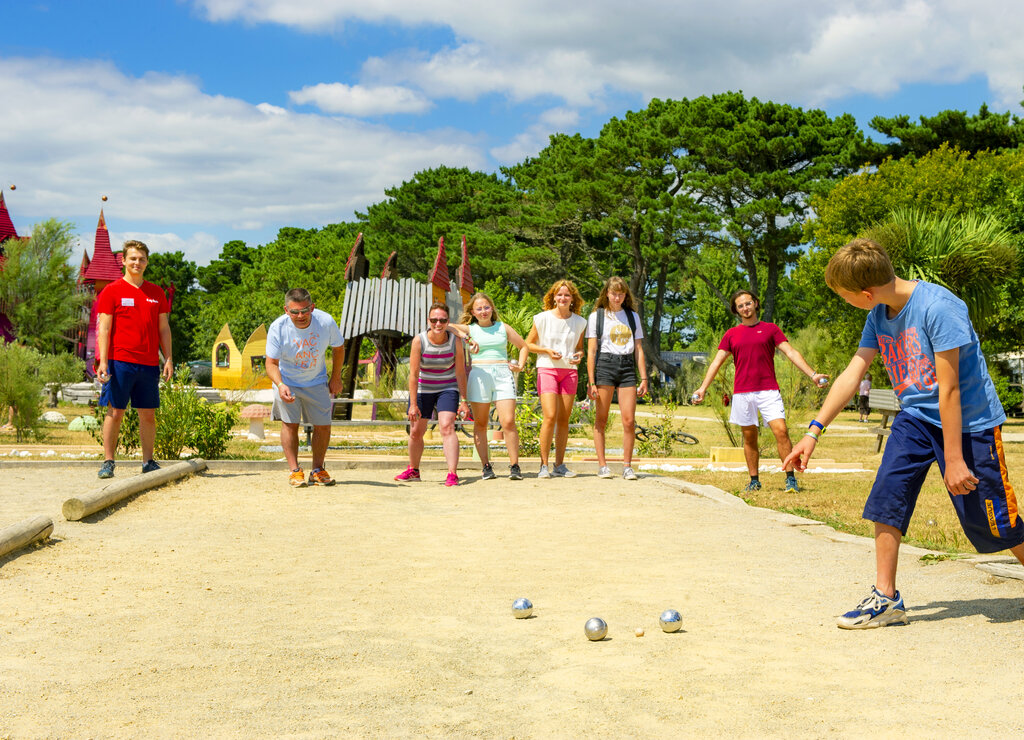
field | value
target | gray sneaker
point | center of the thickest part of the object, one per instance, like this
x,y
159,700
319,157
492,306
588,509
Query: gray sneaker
x,y
150,466
628,474
564,472
544,472
604,472
876,610
488,473
106,469
514,473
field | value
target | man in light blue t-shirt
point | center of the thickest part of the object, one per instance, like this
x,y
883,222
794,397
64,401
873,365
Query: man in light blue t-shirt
x,y
297,345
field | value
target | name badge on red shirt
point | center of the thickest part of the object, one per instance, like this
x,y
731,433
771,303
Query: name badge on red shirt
x,y
127,301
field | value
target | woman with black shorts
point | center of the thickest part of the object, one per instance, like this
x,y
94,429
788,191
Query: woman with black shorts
x,y
614,352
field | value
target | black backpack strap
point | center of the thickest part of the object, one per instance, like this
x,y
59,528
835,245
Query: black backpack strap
x,y
600,334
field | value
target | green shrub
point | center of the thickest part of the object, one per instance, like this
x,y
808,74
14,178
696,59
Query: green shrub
x,y
21,389
183,421
528,419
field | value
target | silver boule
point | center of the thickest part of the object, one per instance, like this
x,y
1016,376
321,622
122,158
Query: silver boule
x,y
595,628
822,382
522,608
671,620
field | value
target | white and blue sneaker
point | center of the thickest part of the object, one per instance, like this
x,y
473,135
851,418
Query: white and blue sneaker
x,y
876,610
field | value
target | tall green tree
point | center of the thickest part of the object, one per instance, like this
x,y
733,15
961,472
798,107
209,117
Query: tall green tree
x,y
942,183
447,202
756,164
37,286
171,268
983,131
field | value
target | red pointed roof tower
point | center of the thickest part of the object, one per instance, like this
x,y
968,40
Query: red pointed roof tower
x,y
7,230
104,268
439,274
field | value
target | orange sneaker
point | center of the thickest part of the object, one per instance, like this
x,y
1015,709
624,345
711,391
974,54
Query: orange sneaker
x,y
320,478
297,478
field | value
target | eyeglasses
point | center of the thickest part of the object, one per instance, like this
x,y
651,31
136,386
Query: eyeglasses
x,y
438,321
300,311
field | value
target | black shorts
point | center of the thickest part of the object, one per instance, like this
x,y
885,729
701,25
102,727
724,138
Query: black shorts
x,y
862,404
618,371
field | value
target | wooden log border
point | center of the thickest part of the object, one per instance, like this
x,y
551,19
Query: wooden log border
x,y
24,533
79,507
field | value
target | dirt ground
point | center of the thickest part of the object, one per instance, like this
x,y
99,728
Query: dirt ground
x,y
229,605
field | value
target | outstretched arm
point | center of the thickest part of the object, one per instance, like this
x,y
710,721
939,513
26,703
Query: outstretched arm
x,y
713,368
842,391
798,359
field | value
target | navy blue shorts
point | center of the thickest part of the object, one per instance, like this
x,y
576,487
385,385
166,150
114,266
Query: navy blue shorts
x,y
988,514
447,400
129,381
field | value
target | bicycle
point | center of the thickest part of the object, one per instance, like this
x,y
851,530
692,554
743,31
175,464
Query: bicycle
x,y
650,434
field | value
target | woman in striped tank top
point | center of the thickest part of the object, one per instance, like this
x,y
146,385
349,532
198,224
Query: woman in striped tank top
x,y
437,379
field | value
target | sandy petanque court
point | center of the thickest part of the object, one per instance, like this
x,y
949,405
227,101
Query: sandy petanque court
x,y
228,605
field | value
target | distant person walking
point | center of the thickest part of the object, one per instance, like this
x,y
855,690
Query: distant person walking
x,y
437,380
864,397
297,344
132,329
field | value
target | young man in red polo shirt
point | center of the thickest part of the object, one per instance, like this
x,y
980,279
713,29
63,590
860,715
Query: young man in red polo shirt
x,y
131,330
752,344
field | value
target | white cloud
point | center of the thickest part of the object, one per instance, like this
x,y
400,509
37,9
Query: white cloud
x,y
536,136
200,247
358,100
165,152
802,51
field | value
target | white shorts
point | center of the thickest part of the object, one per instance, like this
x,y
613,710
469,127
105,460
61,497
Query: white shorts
x,y
746,405
489,383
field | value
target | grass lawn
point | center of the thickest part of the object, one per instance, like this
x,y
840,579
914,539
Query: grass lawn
x,y
834,498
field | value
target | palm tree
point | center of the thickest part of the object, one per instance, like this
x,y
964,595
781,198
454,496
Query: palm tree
x,y
970,254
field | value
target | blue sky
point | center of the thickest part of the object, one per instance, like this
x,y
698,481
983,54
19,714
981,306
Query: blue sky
x,y
210,120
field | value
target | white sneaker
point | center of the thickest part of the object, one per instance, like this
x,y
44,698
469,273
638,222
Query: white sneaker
x,y
604,472
564,472
628,474
544,472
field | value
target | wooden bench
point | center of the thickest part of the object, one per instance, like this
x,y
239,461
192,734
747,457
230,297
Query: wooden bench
x,y
885,402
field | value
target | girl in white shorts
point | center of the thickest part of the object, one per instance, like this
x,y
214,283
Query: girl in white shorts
x,y
491,378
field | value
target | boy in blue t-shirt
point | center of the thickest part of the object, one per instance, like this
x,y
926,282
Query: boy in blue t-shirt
x,y
951,415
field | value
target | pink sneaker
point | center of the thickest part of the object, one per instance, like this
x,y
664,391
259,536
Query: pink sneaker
x,y
409,474
451,480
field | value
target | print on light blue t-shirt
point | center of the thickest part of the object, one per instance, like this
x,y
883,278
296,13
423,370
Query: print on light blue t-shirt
x,y
300,352
934,320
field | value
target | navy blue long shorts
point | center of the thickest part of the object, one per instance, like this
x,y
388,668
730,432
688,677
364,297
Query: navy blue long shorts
x,y
130,381
988,515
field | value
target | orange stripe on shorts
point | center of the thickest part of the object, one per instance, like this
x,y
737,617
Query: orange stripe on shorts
x,y
1011,497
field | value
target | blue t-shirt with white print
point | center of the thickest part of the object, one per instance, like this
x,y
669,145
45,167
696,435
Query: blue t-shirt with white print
x,y
934,320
